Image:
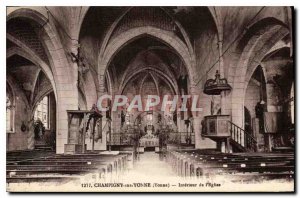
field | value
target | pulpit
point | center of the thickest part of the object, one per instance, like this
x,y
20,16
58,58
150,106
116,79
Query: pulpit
x,y
216,126
79,121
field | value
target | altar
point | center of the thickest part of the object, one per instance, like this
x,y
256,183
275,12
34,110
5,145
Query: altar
x,y
149,140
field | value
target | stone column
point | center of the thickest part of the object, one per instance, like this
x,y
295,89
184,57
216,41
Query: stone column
x,y
196,119
106,124
30,137
67,95
221,68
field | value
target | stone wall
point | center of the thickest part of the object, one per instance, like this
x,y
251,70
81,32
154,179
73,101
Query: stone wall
x,y
17,139
252,97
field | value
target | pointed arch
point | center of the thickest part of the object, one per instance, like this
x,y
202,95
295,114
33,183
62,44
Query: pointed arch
x,y
170,39
255,43
65,85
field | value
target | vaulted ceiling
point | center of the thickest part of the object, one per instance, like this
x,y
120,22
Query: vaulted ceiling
x,y
197,28
28,75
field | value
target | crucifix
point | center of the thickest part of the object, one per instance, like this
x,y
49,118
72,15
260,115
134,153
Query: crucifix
x,y
79,60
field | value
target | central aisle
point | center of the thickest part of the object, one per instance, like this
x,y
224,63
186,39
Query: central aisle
x,y
150,169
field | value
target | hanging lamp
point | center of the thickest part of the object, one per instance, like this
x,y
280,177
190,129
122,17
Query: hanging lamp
x,y
216,86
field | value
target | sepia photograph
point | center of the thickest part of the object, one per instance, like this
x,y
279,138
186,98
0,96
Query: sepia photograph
x,y
150,99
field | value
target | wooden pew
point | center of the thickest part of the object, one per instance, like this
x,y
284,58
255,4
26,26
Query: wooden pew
x,y
62,167
27,154
39,179
199,163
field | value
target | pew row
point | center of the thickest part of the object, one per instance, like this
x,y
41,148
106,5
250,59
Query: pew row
x,y
64,168
237,167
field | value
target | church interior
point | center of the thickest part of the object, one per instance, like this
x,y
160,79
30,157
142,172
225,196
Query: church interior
x,y
238,60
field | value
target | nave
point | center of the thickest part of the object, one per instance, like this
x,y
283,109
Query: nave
x,y
230,71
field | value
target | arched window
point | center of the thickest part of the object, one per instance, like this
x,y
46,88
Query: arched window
x,y
42,112
9,110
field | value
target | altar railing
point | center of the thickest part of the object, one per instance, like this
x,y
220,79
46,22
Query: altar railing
x,y
173,138
121,139
181,138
